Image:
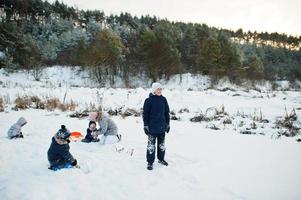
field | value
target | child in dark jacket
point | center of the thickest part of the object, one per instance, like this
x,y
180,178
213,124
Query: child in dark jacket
x,y
91,133
58,153
156,124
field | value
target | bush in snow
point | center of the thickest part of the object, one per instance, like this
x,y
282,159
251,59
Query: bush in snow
x,y
198,118
67,106
22,103
130,112
85,112
26,102
37,72
124,113
54,103
80,114
289,125
227,120
182,110
212,126
211,114
173,115
37,103
112,112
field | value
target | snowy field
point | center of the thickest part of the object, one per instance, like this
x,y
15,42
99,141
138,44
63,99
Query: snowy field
x,y
203,163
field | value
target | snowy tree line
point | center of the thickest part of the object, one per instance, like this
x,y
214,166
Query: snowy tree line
x,y
36,33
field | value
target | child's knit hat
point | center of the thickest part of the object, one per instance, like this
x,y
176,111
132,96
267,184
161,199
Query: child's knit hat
x,y
63,133
156,86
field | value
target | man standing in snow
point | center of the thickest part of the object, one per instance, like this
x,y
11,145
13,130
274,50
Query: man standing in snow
x,y
156,123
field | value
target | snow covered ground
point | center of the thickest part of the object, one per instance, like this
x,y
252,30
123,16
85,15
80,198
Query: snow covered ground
x,y
203,163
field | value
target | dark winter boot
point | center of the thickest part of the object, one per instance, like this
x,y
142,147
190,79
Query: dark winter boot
x,y
53,168
150,166
95,140
163,162
86,140
20,135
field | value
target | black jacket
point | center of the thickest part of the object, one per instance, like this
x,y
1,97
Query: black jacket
x,y
156,114
59,153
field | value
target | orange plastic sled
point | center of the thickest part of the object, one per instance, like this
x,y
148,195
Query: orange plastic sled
x,y
76,136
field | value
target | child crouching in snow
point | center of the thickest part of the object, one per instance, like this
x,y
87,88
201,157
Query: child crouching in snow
x,y
91,133
15,130
107,128
58,153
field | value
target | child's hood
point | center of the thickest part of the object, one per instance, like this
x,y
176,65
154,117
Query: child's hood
x,y
21,121
92,122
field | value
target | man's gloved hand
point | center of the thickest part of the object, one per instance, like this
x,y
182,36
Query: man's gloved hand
x,y
146,130
167,128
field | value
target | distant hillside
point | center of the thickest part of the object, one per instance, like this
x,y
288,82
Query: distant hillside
x,y
36,33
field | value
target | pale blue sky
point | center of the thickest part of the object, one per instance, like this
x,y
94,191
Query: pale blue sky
x,y
260,15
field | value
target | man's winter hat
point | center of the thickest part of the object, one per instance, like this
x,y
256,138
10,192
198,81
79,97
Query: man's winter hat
x,y
156,86
63,133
